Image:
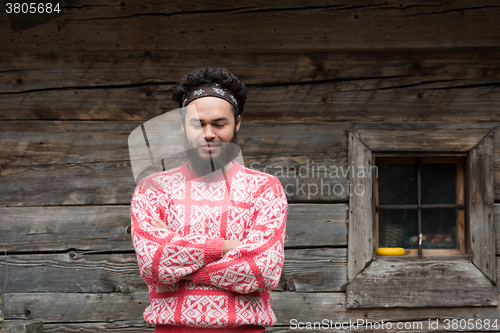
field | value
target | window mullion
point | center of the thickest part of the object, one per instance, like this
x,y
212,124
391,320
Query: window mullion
x,y
419,212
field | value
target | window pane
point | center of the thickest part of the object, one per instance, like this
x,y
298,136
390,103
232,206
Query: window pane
x,y
397,184
439,183
398,228
439,228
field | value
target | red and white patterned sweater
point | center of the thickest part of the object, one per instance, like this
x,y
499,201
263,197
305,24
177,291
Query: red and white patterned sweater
x,y
230,292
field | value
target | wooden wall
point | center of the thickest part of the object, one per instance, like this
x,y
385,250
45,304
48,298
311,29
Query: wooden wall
x,y
73,89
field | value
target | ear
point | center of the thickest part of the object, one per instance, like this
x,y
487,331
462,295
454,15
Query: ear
x,y
238,123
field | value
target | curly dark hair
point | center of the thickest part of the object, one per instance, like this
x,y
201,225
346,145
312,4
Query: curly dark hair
x,y
215,75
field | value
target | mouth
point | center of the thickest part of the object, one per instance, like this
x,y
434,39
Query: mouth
x,y
209,147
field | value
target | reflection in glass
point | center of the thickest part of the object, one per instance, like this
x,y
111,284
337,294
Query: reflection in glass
x,y
399,184
398,228
439,183
439,228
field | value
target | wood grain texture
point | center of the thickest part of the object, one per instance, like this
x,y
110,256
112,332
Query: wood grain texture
x,y
75,272
391,283
421,140
496,214
95,327
316,225
21,326
332,306
360,224
380,69
480,203
86,163
373,99
115,310
107,228
77,307
243,26
108,180
319,270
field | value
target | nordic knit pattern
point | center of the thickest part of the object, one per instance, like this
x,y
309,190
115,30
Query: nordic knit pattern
x,y
231,291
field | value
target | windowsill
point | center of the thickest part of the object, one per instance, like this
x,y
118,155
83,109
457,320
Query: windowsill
x,y
405,282
423,258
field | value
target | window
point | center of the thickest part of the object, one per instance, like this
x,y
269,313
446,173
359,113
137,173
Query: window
x,y
419,204
467,279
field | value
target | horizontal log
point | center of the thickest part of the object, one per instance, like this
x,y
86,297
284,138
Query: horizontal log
x,y
496,217
303,270
429,283
310,307
21,326
309,158
77,307
25,71
240,26
98,308
413,326
98,327
421,140
74,272
107,228
96,182
317,270
371,99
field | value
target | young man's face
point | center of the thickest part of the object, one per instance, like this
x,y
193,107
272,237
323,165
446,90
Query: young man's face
x,y
210,134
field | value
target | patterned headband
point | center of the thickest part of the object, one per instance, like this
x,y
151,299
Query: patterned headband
x,y
213,90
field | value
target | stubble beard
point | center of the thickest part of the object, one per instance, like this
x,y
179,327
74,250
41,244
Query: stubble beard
x,y
203,165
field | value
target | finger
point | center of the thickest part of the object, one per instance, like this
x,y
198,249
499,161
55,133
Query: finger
x,y
161,223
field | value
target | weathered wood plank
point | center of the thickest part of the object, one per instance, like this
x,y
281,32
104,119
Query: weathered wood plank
x,y
75,307
21,326
332,306
317,270
24,71
249,27
29,143
117,326
95,228
316,225
303,270
361,242
372,99
75,272
309,158
496,217
422,140
99,308
480,203
67,184
386,283
107,228
112,182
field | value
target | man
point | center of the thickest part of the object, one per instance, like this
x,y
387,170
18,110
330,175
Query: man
x,y
209,234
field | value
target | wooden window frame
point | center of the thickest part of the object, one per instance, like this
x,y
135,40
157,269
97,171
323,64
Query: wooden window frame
x,y
423,282
412,159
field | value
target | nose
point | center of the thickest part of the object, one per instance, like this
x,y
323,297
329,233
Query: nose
x,y
208,132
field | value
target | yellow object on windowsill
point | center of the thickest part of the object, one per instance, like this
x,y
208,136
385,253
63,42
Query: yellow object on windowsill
x,y
390,251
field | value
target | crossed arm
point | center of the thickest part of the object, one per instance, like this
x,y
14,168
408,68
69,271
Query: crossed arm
x,y
252,264
227,245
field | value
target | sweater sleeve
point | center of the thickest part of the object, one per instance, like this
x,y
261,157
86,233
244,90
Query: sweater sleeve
x,y
164,257
256,264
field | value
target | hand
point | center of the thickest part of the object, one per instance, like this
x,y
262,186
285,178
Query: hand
x,y
187,277
160,224
229,245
